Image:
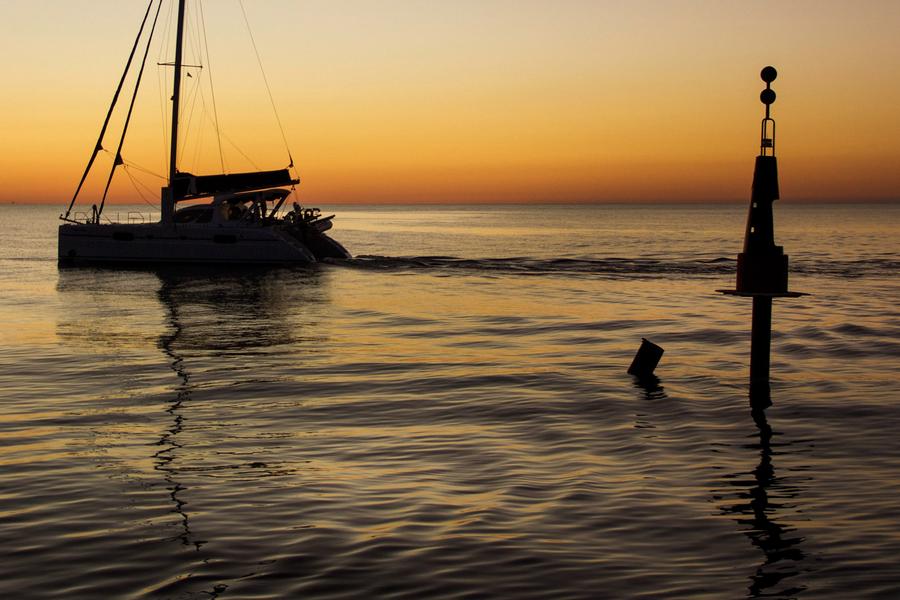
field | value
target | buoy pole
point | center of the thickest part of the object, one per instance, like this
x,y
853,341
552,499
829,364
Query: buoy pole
x,y
762,268
760,346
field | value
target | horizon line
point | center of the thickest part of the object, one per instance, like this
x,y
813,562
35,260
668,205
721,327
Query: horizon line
x,y
804,201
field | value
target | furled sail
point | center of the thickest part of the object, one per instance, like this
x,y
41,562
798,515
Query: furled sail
x,y
187,186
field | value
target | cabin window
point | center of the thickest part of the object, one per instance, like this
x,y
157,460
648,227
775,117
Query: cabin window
x,y
194,214
236,212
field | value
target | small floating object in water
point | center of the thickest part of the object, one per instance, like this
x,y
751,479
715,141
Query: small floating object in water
x,y
646,359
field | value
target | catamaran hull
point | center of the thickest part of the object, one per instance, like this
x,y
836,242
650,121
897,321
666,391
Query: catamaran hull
x,y
186,243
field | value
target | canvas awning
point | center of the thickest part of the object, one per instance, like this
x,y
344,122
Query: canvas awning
x,y
186,186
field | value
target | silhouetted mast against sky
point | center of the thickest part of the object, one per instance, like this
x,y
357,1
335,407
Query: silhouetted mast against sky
x,y
168,201
762,268
99,145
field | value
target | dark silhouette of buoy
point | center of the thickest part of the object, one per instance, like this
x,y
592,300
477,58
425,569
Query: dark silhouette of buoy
x,y
645,360
762,268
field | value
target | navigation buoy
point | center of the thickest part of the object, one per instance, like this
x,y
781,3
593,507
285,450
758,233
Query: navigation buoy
x,y
762,267
646,359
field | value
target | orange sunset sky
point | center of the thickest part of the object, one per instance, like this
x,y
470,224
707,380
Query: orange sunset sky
x,y
414,101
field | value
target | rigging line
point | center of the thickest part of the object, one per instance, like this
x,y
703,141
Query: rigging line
x,y
184,118
142,169
197,136
168,206
163,79
226,136
195,38
190,87
221,134
137,86
198,144
167,33
189,105
115,99
192,103
266,81
161,83
212,88
134,184
136,180
241,152
150,191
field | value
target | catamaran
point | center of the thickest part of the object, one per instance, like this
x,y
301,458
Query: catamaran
x,y
239,216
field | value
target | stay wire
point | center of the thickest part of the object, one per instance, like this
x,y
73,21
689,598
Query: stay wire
x,y
228,138
190,106
137,86
142,169
212,88
163,79
198,137
266,81
99,145
135,182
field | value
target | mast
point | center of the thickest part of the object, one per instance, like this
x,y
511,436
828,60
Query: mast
x,y
99,145
168,201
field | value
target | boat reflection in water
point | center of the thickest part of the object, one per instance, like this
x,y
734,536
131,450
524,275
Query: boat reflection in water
x,y
169,442
200,457
225,329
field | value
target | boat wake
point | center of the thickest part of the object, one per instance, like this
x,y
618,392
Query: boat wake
x,y
610,267
536,266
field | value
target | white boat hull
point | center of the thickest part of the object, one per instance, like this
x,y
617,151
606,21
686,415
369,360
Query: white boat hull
x,y
179,243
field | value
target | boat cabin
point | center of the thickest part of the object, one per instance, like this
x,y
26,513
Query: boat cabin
x,y
233,209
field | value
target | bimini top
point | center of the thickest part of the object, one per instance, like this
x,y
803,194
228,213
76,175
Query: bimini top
x,y
186,186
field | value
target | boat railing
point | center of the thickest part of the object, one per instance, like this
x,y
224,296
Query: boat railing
x,y
142,217
132,217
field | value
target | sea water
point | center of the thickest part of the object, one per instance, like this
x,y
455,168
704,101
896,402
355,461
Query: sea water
x,y
448,414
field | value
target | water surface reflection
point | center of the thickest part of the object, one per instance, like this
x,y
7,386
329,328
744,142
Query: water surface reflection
x,y
170,443
651,386
229,338
766,503
216,321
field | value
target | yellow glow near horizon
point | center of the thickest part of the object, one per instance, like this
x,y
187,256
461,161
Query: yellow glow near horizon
x,y
494,101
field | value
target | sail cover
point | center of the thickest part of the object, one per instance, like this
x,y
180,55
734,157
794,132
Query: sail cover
x,y
186,186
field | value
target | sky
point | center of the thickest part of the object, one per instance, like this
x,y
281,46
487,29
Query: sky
x,y
415,101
